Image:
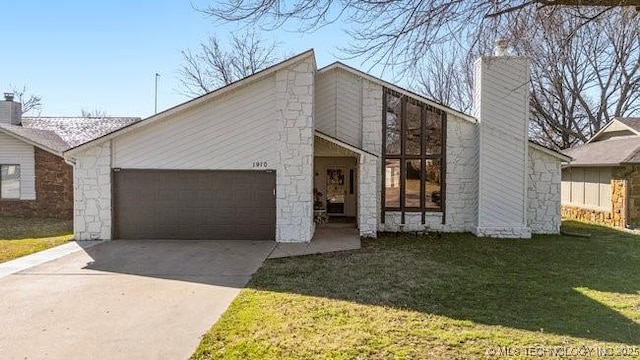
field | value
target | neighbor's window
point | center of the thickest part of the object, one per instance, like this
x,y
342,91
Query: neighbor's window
x,y
9,181
413,143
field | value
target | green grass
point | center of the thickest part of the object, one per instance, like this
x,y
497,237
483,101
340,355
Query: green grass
x,y
24,236
442,297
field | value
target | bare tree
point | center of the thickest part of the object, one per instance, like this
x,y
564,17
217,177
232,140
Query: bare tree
x,y
30,102
581,77
212,66
444,75
398,33
95,113
584,58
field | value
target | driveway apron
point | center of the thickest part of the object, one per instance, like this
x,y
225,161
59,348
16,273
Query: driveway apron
x,y
141,299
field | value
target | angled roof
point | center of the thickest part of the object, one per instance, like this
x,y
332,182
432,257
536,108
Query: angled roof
x,y
632,122
78,130
610,152
197,101
45,139
435,104
57,134
549,151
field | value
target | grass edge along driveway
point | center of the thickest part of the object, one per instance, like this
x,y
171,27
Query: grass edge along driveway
x,y
24,236
449,296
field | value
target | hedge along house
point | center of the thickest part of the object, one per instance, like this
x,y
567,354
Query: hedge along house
x,y
259,158
35,180
602,183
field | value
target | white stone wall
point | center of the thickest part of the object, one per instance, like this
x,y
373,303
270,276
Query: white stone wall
x,y
92,193
544,193
370,165
461,177
461,180
294,125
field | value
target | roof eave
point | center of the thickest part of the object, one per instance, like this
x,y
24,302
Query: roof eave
x,y
32,143
550,152
594,137
342,144
191,103
339,65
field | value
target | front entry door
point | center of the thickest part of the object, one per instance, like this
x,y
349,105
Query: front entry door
x,y
336,190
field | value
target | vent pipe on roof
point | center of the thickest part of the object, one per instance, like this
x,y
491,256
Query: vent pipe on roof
x,y
500,48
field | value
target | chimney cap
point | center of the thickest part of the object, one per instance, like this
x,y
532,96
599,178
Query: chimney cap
x,y
501,47
8,96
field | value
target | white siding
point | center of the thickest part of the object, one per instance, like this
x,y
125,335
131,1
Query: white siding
x,y
349,108
325,103
14,151
503,115
229,133
339,105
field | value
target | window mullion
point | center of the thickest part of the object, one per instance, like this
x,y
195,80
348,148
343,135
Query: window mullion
x,y
403,165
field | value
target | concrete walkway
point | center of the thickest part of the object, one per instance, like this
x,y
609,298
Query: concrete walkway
x,y
327,238
124,299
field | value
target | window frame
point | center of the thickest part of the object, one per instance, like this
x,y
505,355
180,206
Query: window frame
x,y
423,157
19,183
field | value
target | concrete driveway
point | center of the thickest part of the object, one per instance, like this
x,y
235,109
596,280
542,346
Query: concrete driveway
x,y
124,299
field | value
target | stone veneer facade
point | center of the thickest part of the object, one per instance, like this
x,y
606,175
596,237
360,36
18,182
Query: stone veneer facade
x,y
293,119
369,164
294,150
54,190
294,171
92,193
543,210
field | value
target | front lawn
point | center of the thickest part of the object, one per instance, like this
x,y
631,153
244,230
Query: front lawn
x,y
441,297
24,236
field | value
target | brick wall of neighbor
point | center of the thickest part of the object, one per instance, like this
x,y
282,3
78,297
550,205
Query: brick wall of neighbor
x,y
92,193
544,193
54,190
634,197
617,215
294,124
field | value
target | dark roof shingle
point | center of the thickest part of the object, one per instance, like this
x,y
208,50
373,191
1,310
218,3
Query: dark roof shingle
x,y
610,152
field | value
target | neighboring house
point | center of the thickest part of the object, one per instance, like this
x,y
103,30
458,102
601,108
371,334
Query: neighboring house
x,y
602,183
35,180
242,162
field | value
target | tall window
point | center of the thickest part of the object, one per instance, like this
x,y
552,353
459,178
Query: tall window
x,y
413,153
9,181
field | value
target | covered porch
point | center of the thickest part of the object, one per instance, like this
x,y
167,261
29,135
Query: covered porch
x,y
345,186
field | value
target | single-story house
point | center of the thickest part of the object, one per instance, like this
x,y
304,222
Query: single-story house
x,y
602,182
261,157
35,180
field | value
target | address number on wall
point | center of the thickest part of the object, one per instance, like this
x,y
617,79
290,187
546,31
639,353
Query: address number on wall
x,y
259,164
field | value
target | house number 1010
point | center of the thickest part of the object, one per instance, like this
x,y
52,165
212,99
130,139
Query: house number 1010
x,y
259,164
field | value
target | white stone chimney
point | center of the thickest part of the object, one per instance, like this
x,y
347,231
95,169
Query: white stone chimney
x,y
501,105
10,111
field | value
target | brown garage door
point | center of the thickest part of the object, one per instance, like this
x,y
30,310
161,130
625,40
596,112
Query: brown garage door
x,y
190,204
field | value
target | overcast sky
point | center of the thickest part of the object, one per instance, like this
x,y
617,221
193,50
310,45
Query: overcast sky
x,y
103,54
